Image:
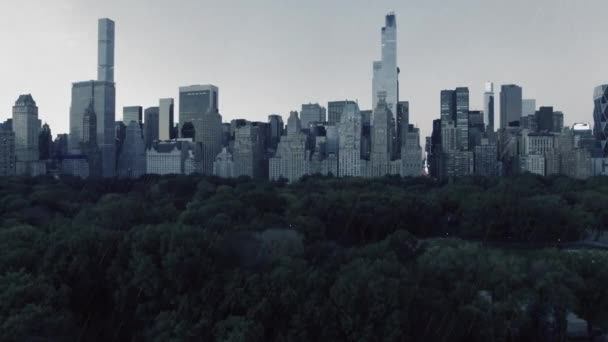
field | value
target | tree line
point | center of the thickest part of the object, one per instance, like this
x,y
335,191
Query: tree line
x,y
190,258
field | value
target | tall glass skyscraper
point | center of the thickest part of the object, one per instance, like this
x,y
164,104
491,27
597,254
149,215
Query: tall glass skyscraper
x,y
489,107
386,73
600,117
510,105
165,119
197,100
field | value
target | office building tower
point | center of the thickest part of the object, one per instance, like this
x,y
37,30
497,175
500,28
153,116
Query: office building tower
x,y
448,107
120,133
486,163
411,154
224,166
101,95
489,107
600,117
385,71
558,122
165,119
464,163
435,150
290,161
528,107
132,159
105,51
60,146
197,100
7,125
151,125
335,110
7,153
476,128
312,113
544,119
26,127
208,131
510,105
132,113
333,139
381,138
529,122
45,143
275,131
401,127
247,152
532,163
349,155
76,165
462,118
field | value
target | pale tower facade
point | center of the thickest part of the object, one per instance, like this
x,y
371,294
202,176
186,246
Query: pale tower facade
x,y
349,142
385,71
381,138
165,118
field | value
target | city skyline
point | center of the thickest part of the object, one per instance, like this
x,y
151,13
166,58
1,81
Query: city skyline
x,y
422,77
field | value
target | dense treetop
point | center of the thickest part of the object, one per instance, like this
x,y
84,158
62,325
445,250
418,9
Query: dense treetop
x,y
193,258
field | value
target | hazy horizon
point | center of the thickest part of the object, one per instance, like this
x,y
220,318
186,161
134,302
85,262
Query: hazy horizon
x,y
272,56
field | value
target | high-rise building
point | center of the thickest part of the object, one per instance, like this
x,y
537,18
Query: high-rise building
x,y
312,113
247,152
402,128
385,71
544,119
132,113
26,127
165,119
105,51
7,153
486,163
291,158
132,159
448,107
151,125
411,154
600,117
510,105
173,157
335,110
558,122
101,96
275,131
381,138
489,107
45,142
224,166
349,155
462,118
208,131
197,100
528,107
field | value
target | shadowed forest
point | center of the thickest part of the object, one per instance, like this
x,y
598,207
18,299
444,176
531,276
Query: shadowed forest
x,y
192,258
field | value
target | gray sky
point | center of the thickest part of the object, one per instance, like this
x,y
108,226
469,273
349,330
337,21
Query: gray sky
x,y
270,56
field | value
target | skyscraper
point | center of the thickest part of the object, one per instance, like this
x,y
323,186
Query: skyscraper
x,y
381,138
528,107
544,119
165,119
132,113
105,51
312,113
275,131
600,117
290,161
7,153
385,71
510,105
208,131
151,125
101,95
26,127
132,159
489,107
196,100
349,155
247,152
335,110
462,118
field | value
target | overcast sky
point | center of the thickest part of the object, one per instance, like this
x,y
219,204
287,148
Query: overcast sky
x,y
270,56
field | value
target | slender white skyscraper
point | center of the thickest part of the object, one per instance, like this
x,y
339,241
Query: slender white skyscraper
x,y
489,107
165,119
386,73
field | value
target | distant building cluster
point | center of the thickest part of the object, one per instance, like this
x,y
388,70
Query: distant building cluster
x,y
341,139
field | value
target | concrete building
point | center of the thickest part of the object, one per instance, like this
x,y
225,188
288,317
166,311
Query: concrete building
x,y
349,155
335,110
276,127
600,117
7,153
224,165
247,152
75,165
382,144
528,107
291,160
26,127
165,119
532,163
411,154
486,163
